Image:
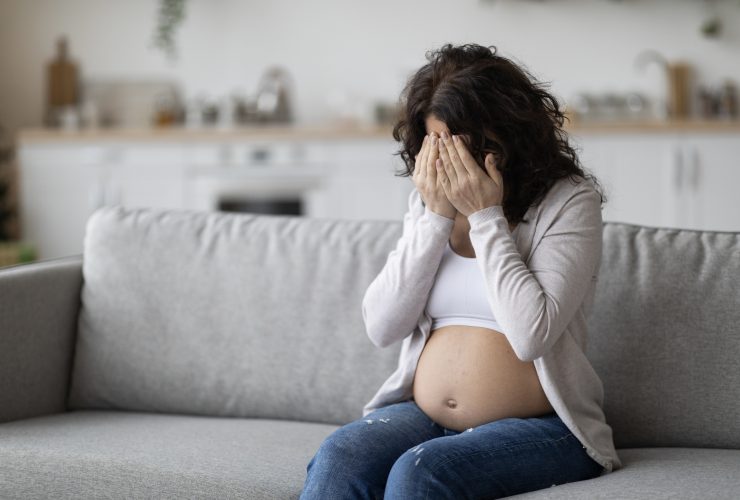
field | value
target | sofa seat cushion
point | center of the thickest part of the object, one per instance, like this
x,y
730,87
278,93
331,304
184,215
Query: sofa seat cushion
x,y
111,454
658,473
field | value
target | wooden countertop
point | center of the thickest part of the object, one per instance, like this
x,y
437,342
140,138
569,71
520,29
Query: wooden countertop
x,y
206,134
335,132
654,126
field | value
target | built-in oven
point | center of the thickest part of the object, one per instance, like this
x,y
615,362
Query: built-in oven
x,y
255,180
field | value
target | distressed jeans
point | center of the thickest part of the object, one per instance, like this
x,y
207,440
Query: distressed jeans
x,y
398,452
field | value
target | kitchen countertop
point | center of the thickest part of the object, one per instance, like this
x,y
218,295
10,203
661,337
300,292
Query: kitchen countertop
x,y
667,126
206,134
336,132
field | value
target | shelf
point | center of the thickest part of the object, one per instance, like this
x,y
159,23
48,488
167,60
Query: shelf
x,y
657,126
329,132
188,135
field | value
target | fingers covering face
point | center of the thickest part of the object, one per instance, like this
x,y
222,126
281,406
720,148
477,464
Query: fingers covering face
x,y
422,156
465,157
433,155
428,154
449,166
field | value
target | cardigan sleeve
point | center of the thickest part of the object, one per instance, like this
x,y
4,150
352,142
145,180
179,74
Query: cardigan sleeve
x,y
395,300
534,303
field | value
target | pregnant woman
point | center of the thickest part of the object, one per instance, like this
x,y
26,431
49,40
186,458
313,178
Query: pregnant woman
x,y
489,289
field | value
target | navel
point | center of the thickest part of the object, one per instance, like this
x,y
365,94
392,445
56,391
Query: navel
x,y
452,403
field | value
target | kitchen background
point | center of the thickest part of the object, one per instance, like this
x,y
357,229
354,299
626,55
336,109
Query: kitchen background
x,y
285,107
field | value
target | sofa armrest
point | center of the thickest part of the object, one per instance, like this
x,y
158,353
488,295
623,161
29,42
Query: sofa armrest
x,y
39,304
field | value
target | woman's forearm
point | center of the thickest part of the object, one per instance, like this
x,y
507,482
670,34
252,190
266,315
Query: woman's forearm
x,y
395,299
534,302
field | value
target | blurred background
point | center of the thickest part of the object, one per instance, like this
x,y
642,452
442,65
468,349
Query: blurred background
x,y
286,107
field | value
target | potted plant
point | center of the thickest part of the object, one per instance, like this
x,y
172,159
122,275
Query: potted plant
x,y
170,16
11,251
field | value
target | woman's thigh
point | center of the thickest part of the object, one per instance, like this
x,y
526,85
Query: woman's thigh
x,y
354,460
497,459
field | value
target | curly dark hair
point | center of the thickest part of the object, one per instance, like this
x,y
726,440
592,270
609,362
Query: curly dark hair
x,y
478,93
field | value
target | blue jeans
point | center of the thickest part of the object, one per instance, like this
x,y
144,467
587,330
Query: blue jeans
x,y
398,452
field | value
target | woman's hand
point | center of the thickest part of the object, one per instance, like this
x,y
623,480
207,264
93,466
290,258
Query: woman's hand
x,y
466,186
427,181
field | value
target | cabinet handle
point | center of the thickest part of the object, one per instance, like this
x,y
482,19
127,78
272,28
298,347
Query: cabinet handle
x,y
96,196
695,170
112,194
677,169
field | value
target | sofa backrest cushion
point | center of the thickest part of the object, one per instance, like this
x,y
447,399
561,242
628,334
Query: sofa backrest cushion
x,y
246,315
665,336
229,314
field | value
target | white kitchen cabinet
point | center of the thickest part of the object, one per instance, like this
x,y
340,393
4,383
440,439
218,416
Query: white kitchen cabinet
x,y
633,171
59,187
362,184
678,180
710,176
147,176
682,180
63,184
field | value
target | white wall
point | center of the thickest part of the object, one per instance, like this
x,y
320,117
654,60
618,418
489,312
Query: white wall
x,y
366,48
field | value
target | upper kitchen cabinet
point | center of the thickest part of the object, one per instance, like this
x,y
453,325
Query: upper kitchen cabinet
x,y
667,179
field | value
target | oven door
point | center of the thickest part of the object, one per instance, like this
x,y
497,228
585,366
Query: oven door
x,y
266,189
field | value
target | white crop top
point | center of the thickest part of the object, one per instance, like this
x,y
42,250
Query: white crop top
x,y
458,295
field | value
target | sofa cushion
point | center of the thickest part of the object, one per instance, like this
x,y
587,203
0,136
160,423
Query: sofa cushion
x,y
229,314
245,315
665,336
110,454
116,454
657,474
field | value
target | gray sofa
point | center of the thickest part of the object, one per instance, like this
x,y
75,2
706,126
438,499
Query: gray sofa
x,y
195,354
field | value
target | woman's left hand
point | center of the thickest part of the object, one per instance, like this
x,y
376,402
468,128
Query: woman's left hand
x,y
467,187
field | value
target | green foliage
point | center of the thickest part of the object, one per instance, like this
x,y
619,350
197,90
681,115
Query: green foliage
x,y
170,16
6,212
711,27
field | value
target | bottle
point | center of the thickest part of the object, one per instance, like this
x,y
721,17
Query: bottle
x,y
62,85
706,102
679,75
728,101
89,114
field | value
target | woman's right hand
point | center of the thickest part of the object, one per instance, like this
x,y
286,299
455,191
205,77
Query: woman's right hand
x,y
426,179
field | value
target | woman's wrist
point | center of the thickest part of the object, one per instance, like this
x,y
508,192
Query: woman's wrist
x,y
440,222
486,214
443,213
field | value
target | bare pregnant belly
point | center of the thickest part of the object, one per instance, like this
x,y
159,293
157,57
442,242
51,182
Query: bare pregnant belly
x,y
469,376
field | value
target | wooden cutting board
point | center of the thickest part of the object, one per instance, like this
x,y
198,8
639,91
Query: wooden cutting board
x,y
62,83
